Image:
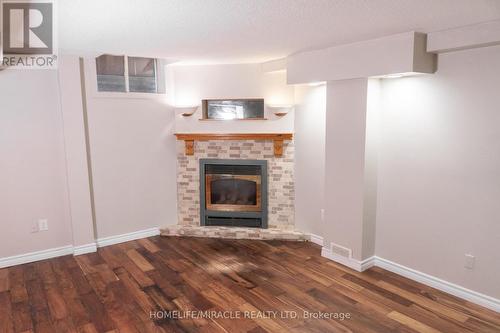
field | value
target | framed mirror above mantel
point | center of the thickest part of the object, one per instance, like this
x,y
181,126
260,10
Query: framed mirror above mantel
x,y
233,109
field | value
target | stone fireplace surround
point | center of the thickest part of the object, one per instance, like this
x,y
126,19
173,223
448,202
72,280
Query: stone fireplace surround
x,y
281,195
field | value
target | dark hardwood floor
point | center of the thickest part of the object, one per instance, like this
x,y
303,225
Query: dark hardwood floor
x,y
270,285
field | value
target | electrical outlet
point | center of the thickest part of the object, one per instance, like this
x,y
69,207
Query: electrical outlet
x,y
322,212
43,225
35,228
469,261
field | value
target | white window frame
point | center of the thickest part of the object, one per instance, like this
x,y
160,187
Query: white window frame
x,y
127,83
160,76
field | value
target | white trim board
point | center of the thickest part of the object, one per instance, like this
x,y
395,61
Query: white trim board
x,y
36,256
316,239
106,241
429,280
355,264
84,249
432,281
76,250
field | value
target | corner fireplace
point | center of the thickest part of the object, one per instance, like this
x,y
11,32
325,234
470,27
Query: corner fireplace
x,y
233,193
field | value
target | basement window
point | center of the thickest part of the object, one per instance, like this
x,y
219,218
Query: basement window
x,y
111,73
127,74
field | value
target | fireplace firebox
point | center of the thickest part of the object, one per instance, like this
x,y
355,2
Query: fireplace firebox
x,y
233,193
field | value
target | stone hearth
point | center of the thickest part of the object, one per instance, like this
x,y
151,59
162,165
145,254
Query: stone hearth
x,y
234,233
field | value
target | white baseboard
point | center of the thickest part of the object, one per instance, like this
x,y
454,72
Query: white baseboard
x,y
84,249
429,280
357,265
106,241
432,281
76,250
36,256
368,263
316,239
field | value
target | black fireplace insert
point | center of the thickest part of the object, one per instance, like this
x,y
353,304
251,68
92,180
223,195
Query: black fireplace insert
x,y
233,193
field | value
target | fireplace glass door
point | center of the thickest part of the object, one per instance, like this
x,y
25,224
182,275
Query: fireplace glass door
x,y
233,193
230,192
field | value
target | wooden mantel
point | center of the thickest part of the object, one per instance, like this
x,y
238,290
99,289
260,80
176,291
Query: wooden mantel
x,y
277,138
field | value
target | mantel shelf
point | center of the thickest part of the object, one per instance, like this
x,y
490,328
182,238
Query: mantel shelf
x,y
277,138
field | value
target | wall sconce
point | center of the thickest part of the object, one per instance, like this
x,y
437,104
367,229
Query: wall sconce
x,y
280,110
187,111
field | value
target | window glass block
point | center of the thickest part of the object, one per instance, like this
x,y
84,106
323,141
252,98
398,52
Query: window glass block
x,y
111,73
142,75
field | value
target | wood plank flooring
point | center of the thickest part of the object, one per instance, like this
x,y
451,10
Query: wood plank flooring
x,y
202,283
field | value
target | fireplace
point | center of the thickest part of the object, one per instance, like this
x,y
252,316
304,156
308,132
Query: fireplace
x,y
233,193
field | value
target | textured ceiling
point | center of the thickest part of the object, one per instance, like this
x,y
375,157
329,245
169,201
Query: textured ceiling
x,y
228,31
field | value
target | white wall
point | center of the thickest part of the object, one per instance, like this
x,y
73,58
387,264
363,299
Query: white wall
x,y
43,165
75,142
373,109
191,84
345,163
194,83
310,111
133,161
439,170
32,163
